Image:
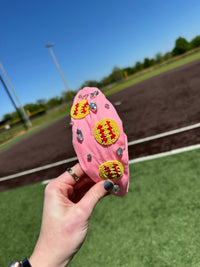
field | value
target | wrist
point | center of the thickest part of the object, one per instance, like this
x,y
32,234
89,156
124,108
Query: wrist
x,y
39,260
24,263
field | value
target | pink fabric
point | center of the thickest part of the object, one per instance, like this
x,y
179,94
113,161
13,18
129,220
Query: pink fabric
x,y
89,145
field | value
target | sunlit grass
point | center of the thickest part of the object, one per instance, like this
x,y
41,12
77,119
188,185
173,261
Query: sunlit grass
x,y
144,75
16,134
155,225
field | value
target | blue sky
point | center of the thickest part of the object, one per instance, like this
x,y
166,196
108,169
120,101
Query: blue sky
x,y
90,38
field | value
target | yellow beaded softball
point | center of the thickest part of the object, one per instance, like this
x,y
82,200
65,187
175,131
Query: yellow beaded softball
x,y
112,170
106,132
80,110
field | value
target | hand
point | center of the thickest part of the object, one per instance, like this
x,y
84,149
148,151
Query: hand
x,y
66,214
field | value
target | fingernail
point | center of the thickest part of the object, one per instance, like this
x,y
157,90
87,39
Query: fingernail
x,y
108,185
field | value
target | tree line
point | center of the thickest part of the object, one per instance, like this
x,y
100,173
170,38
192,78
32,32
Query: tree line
x,y
181,46
41,105
118,74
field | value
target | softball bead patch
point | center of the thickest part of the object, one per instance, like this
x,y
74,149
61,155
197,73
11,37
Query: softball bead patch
x,y
80,110
112,170
106,132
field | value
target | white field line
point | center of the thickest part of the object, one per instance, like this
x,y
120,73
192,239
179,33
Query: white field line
x,y
155,156
164,154
47,181
183,129
12,176
37,169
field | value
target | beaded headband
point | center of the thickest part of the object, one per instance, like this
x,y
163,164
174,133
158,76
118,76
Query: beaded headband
x,y
99,140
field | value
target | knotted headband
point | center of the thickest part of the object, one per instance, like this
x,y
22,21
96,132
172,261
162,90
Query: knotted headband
x,y
99,140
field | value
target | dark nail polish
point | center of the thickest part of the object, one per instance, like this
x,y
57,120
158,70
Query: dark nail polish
x,y
108,185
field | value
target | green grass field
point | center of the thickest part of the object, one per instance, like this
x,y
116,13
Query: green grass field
x,y
155,225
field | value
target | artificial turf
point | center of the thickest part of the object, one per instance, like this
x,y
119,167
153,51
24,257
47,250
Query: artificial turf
x,y
155,225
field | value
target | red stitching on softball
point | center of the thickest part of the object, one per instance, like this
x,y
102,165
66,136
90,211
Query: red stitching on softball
x,y
76,109
108,170
115,166
112,135
102,133
84,108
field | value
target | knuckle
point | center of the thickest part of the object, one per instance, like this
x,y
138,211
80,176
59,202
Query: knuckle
x,y
49,189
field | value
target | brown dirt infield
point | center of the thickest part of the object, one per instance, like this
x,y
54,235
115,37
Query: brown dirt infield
x,y
168,101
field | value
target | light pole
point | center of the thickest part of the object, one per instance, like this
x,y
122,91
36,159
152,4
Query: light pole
x,y
25,116
57,65
13,102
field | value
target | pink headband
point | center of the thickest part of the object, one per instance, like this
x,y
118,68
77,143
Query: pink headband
x,y
99,140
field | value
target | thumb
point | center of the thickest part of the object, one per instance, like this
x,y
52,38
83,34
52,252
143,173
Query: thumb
x,y
92,197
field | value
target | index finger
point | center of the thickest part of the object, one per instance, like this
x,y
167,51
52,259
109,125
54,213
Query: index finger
x,y
67,178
